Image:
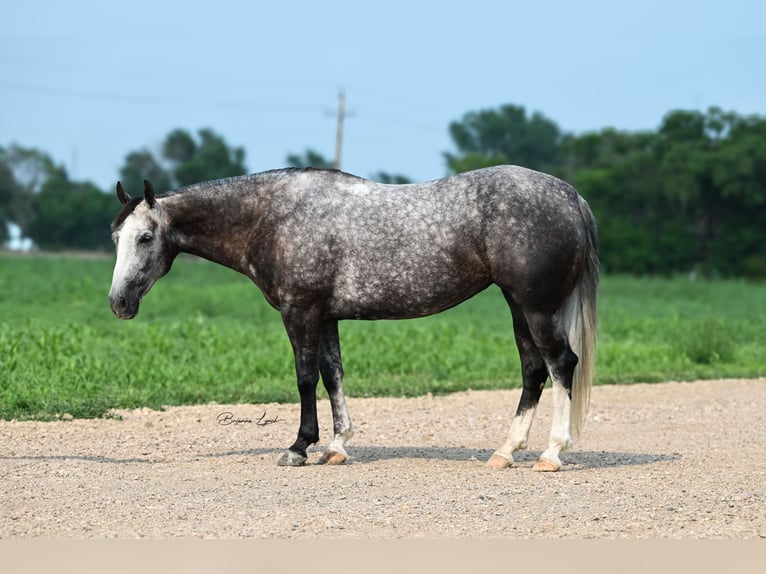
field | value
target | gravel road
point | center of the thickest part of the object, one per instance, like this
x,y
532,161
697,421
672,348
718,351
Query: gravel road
x,y
672,460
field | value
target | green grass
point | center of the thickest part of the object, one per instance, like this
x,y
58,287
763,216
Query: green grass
x,y
206,334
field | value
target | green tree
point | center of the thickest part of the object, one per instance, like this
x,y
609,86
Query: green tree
x,y
639,232
689,148
504,135
390,178
24,171
141,165
738,173
739,169
71,215
690,195
309,158
210,158
7,192
617,173
603,149
312,158
183,161
179,146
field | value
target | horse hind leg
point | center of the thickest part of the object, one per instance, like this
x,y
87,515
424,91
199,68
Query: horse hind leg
x,y
534,374
331,369
553,344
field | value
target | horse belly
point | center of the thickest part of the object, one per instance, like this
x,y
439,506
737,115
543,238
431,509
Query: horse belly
x,y
402,292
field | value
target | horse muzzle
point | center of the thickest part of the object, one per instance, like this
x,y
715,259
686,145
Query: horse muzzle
x,y
123,306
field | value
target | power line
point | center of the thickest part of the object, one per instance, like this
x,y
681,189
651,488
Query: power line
x,y
156,76
157,100
340,115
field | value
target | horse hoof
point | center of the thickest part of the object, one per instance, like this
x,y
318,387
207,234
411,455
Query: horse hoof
x,y
545,465
290,458
497,462
333,457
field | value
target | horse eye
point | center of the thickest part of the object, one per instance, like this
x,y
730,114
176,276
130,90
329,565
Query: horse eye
x,y
145,237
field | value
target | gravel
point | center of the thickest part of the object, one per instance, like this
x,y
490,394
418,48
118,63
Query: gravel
x,y
671,460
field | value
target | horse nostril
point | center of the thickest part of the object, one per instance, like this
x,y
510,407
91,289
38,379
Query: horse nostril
x,y
118,303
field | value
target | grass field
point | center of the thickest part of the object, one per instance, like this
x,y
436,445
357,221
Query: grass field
x,y
206,334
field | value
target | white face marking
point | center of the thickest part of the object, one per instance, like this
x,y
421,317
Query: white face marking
x,y
139,259
127,263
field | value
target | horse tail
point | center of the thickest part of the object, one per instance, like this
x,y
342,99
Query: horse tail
x,y
581,320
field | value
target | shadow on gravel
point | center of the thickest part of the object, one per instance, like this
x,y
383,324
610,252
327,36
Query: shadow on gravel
x,y
576,460
246,452
573,461
587,460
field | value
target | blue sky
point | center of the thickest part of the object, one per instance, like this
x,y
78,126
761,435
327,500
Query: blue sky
x,y
89,81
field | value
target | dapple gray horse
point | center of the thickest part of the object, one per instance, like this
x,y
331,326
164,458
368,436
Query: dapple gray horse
x,y
324,246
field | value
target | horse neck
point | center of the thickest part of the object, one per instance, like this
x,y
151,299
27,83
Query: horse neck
x,y
211,224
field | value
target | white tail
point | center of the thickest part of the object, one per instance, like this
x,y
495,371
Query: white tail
x,y
581,318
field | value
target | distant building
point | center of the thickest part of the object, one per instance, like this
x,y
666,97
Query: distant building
x,y
15,241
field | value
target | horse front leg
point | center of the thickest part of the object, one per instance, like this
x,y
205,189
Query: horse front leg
x,y
303,329
331,368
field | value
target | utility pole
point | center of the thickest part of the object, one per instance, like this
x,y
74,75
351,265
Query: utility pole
x,y
340,117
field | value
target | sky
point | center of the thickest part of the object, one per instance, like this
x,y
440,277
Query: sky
x,y
90,81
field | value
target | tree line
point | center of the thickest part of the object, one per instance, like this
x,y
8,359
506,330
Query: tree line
x,y
689,196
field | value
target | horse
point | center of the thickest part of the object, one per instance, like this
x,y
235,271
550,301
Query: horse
x,y
325,246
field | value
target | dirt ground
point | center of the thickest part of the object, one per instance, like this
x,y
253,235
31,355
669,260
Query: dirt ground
x,y
672,460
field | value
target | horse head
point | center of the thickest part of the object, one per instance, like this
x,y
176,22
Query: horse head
x,y
144,253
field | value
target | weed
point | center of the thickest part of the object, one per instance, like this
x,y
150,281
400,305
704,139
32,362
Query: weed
x,y
708,341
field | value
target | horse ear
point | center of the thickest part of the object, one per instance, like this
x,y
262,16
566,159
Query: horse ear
x,y
121,195
149,194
